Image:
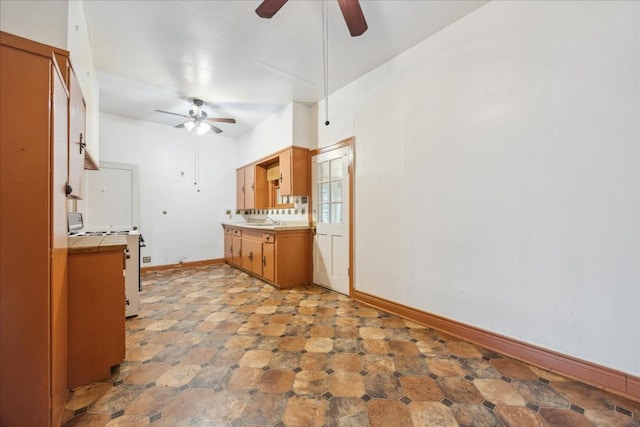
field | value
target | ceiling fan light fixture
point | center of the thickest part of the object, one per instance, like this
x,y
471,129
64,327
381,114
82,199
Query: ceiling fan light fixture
x,y
189,126
202,128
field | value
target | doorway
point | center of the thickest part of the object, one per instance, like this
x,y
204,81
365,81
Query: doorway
x,y
332,212
113,192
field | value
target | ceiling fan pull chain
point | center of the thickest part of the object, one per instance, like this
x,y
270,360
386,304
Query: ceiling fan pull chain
x,y
325,58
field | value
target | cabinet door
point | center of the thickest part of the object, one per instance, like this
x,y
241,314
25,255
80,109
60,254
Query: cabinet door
x,y
256,257
240,189
268,261
249,187
59,292
77,123
96,315
245,261
236,259
285,173
251,256
228,247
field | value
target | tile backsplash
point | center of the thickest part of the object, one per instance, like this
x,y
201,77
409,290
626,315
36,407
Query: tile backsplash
x,y
298,213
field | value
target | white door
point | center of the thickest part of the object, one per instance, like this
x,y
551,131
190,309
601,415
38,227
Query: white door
x,y
330,197
112,197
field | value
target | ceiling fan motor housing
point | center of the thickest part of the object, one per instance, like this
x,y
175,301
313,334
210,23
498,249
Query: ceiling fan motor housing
x,y
197,112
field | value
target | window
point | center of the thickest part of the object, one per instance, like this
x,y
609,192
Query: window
x,y
330,191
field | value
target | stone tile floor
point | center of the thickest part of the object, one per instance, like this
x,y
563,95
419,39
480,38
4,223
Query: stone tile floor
x,y
215,347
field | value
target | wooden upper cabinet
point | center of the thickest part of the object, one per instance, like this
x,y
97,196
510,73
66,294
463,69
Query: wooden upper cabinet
x,y
77,135
294,172
240,188
256,188
251,188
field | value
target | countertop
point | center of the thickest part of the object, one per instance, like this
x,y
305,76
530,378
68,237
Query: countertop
x,y
274,227
89,244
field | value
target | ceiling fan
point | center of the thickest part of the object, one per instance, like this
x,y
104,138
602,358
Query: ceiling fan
x,y
199,119
351,11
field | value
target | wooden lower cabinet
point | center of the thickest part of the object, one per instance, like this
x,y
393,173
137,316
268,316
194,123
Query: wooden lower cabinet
x,y
252,252
293,258
269,261
236,247
228,245
281,257
96,315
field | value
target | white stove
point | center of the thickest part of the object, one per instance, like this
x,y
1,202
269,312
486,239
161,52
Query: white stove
x,y
132,266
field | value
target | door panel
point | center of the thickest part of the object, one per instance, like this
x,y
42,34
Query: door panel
x,y
59,271
285,173
268,262
256,258
113,196
228,248
240,189
236,259
77,114
330,196
249,187
246,253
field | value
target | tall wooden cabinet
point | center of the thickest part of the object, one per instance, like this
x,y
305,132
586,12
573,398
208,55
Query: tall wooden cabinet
x,y
33,226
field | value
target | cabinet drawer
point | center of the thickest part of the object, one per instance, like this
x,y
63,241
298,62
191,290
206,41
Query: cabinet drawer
x,y
269,238
228,230
237,232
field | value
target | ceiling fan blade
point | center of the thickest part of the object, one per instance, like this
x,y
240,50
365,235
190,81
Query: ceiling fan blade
x,y
216,129
175,114
268,8
220,120
353,16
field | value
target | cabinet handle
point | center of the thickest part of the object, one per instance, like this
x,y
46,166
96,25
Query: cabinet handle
x,y
250,256
82,144
280,177
264,261
231,250
243,188
252,187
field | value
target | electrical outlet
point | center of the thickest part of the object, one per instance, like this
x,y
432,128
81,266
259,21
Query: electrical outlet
x,y
146,259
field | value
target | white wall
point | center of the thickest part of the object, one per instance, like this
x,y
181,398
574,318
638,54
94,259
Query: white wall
x,y
62,24
44,21
293,125
192,223
79,46
498,168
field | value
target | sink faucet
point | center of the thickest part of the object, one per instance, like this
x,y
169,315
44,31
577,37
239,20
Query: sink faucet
x,y
272,220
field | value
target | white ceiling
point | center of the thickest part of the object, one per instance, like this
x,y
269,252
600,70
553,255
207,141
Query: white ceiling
x,y
159,54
